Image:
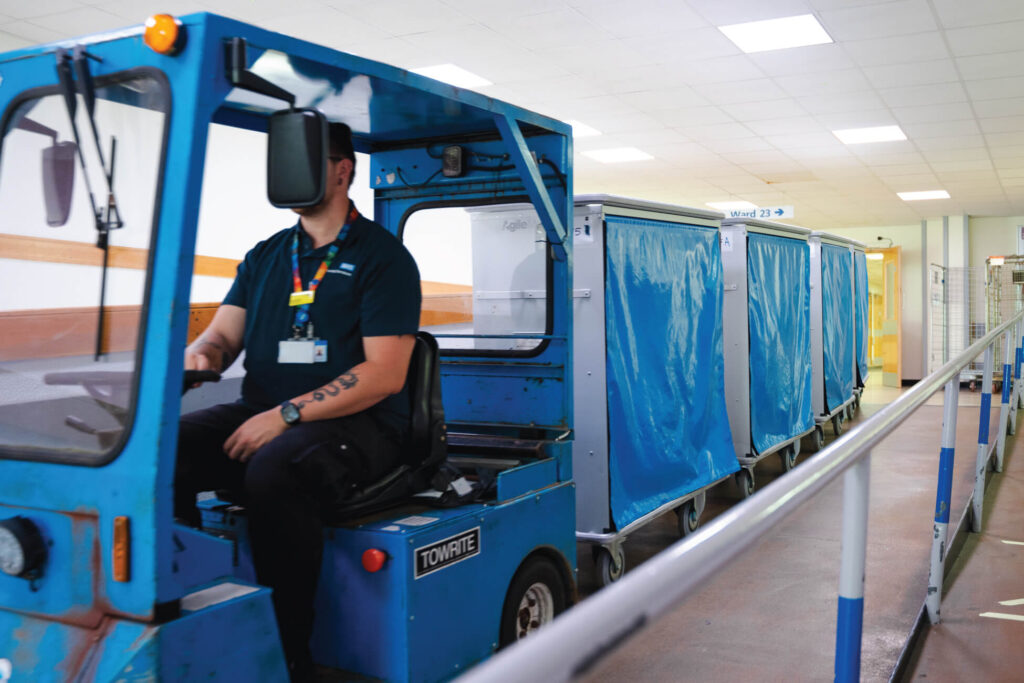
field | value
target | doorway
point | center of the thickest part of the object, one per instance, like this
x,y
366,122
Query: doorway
x,y
885,343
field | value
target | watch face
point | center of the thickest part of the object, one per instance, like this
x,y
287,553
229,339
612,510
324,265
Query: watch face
x,y
290,413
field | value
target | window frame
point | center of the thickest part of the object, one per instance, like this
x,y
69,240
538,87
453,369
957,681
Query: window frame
x,y
549,313
102,458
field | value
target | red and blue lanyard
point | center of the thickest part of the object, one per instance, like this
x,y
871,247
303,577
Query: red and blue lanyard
x,y
302,311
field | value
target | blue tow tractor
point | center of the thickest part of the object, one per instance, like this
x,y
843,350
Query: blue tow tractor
x,y
108,144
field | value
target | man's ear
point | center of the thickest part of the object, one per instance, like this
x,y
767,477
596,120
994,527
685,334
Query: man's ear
x,y
344,172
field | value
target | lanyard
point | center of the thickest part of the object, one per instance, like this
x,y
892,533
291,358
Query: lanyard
x,y
302,311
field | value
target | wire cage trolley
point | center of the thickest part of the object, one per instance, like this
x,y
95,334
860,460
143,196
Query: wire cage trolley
x,y
861,321
766,319
833,318
651,429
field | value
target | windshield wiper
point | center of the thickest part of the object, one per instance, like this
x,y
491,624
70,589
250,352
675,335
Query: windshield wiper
x,y
71,68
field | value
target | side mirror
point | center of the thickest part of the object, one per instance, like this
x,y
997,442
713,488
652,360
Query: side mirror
x,y
296,158
58,181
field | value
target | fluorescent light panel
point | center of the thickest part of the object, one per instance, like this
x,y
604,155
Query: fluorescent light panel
x,y
453,75
918,196
582,130
618,155
874,256
732,206
859,136
777,34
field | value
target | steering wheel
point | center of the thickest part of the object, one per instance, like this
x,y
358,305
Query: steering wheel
x,y
110,385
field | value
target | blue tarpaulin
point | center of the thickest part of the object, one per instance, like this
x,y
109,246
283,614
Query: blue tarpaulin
x,y
779,304
860,269
837,314
667,424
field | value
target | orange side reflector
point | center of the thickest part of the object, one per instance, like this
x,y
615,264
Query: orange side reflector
x,y
164,34
122,549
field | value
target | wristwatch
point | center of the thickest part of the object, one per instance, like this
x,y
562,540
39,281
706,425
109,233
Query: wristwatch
x,y
290,413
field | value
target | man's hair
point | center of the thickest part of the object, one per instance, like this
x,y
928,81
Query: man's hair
x,y
340,145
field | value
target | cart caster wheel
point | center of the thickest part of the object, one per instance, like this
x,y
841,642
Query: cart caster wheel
x,y
788,456
745,480
688,518
819,437
837,424
535,597
610,566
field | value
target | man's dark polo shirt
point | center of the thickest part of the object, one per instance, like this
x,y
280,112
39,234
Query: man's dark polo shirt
x,y
372,289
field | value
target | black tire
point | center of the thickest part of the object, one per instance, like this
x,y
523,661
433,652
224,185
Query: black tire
x,y
837,424
610,567
745,480
537,571
819,437
688,519
788,456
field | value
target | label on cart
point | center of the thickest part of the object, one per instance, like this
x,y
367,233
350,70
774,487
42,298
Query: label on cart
x,y
446,552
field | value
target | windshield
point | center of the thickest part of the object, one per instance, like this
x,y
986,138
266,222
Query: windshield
x,y
71,309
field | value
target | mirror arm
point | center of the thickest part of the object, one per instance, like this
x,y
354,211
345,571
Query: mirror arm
x,y
239,75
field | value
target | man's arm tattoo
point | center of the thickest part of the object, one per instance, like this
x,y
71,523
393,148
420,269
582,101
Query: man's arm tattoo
x,y
347,380
226,357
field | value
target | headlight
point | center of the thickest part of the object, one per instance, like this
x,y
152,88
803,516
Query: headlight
x,y
22,549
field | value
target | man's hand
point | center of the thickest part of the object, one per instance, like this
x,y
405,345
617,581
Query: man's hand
x,y
254,433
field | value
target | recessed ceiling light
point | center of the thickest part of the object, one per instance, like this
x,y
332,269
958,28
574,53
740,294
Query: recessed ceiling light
x,y
732,206
618,155
582,130
858,136
453,75
776,34
918,196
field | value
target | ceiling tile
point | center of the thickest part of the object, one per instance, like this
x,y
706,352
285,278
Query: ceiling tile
x,y
739,11
881,51
77,22
10,42
330,27
901,170
701,43
991,66
561,27
916,131
901,183
131,12
32,32
839,103
999,139
1005,124
914,73
876,21
743,91
996,88
860,119
772,156
691,116
961,166
803,85
792,124
760,111
1006,152
953,142
968,154
484,10
981,40
932,113
663,98
718,131
672,17
956,13
719,70
919,95
812,58
20,9
738,145
798,140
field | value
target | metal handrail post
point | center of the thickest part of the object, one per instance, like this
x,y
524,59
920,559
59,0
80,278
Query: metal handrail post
x,y
943,497
1004,406
1015,385
1020,362
981,464
850,621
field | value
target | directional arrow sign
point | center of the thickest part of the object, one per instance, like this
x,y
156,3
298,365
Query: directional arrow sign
x,y
767,213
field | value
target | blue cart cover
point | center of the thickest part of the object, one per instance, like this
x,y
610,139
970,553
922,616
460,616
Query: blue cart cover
x,y
837,320
860,269
667,425
779,300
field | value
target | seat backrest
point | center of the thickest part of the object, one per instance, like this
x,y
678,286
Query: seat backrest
x,y
428,437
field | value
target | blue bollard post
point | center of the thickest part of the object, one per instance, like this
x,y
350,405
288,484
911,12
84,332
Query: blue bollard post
x,y
849,624
943,495
1004,407
981,464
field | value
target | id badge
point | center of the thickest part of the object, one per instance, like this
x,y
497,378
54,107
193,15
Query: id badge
x,y
320,351
300,298
298,351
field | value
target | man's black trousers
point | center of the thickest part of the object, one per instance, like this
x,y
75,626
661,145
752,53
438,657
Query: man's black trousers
x,y
288,487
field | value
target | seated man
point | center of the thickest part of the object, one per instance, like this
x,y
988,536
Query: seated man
x,y
327,312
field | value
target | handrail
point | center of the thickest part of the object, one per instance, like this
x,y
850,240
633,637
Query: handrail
x,y
575,641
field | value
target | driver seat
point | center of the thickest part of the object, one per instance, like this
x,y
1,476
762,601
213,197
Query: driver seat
x,y
426,446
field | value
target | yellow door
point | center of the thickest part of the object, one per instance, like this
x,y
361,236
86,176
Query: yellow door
x,y
892,342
